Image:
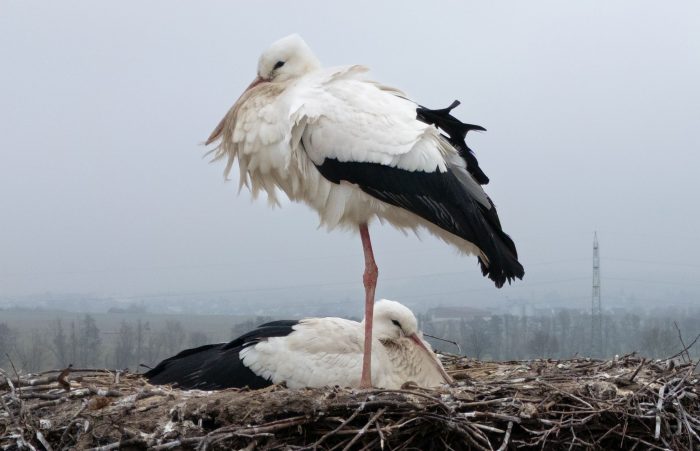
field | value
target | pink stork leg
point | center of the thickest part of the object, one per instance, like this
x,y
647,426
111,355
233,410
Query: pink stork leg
x,y
370,281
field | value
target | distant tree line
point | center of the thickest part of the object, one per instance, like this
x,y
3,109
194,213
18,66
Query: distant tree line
x,y
81,343
560,334
563,334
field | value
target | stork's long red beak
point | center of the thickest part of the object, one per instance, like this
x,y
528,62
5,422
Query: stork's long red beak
x,y
216,134
255,83
417,340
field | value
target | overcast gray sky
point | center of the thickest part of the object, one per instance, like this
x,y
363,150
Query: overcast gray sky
x,y
592,111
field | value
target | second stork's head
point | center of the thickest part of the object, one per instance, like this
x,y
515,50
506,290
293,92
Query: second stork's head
x,y
395,322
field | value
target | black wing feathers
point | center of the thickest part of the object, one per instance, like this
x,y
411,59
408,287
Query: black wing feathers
x,y
280,328
456,133
217,366
438,198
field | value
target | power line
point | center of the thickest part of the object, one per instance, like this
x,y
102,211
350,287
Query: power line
x,y
654,282
649,262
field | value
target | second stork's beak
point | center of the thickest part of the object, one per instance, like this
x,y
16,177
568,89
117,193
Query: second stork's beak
x,y
419,342
255,83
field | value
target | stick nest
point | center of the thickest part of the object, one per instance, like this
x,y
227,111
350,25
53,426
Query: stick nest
x,y
624,403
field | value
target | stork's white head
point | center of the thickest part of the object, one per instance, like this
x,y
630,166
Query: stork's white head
x,y
393,320
286,59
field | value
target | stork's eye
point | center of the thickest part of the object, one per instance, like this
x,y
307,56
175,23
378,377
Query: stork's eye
x,y
278,64
396,323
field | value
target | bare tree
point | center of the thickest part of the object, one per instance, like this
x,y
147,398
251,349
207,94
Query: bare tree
x,y
496,337
475,336
8,340
73,343
32,353
58,343
126,344
89,341
658,342
172,336
142,329
198,339
542,344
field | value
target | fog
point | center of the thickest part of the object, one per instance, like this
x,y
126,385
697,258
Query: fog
x,y
592,111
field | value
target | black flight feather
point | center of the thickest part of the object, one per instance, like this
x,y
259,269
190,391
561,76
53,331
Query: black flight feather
x,y
456,131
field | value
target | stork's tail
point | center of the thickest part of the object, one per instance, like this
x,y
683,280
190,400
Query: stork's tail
x,y
501,262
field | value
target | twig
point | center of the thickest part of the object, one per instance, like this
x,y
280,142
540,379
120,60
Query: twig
x,y
644,442
602,437
506,438
490,402
485,427
459,348
415,393
185,441
364,428
80,370
381,435
370,445
7,409
686,348
493,415
571,395
62,378
341,426
21,444
48,377
689,427
641,364
9,359
66,432
43,441
659,405
122,443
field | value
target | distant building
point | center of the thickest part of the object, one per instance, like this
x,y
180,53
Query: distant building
x,y
437,314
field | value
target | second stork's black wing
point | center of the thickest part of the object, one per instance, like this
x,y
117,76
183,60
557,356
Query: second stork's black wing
x,y
217,366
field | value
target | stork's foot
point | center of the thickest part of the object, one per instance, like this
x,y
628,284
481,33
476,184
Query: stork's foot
x,y
366,385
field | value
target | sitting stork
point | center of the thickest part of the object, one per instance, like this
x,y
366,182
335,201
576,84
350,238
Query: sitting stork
x,y
354,150
312,352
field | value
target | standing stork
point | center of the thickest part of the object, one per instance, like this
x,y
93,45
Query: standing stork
x,y
312,352
354,149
